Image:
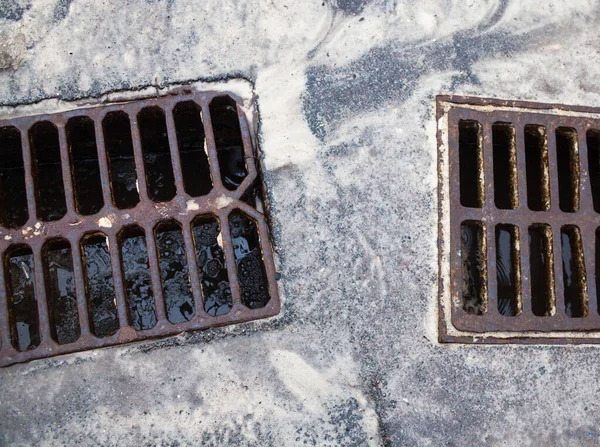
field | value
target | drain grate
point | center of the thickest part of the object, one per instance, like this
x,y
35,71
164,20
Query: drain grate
x,y
519,223
129,221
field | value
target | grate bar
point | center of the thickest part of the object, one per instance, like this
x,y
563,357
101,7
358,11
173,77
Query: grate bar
x,y
103,163
29,183
175,159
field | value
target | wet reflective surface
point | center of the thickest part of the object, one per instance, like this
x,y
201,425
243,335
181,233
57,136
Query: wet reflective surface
x,y
507,270
100,289
228,140
13,196
542,270
177,291
248,259
61,295
47,171
473,268
574,280
136,275
157,155
121,162
23,310
211,267
87,187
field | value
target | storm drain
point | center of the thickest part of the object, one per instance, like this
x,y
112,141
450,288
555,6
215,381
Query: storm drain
x,y
519,221
130,221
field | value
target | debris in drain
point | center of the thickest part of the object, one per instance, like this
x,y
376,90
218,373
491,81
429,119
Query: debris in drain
x,y
184,242
523,203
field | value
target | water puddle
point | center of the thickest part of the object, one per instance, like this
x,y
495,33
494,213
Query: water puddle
x,y
13,196
211,266
23,310
228,140
47,171
99,284
121,161
61,295
177,291
252,277
473,254
136,274
190,140
157,155
87,186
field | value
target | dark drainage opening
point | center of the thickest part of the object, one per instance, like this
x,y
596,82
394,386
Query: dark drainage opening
x,y
121,162
49,188
505,166
471,163
84,164
536,158
100,289
593,147
61,294
212,268
157,155
474,274
180,247
22,303
136,275
568,169
228,141
574,280
193,156
543,300
177,291
13,196
508,271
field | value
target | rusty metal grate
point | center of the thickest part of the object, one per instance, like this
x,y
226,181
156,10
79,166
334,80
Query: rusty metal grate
x,y
519,232
128,221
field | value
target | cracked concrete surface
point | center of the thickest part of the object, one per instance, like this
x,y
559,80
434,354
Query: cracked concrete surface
x,y
346,92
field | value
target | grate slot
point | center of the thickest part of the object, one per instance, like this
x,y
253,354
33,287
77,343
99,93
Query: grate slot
x,y
473,254
158,165
122,168
212,268
505,166
85,170
470,148
574,277
136,278
568,169
508,270
538,179
48,173
543,300
179,300
61,294
593,149
228,141
192,152
13,195
100,290
22,303
254,289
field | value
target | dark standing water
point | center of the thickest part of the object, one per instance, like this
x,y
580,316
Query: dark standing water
x,y
121,161
536,166
87,186
574,281
61,295
138,283
473,268
179,300
47,171
228,140
13,196
211,266
542,270
157,155
100,289
252,277
470,154
507,270
23,310
190,140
